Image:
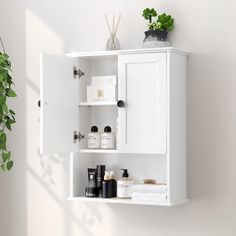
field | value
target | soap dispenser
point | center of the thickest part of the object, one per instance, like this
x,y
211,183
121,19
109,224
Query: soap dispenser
x,y
124,185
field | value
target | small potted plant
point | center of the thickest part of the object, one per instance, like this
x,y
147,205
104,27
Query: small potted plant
x,y
157,30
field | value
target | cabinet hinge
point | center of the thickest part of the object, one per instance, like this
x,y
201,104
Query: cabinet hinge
x,y
77,72
77,136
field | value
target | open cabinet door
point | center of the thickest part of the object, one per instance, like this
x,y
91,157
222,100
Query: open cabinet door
x,y
59,97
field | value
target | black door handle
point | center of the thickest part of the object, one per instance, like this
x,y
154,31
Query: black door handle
x,y
120,103
39,103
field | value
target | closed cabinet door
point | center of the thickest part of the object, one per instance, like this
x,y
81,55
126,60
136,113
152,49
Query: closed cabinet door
x,y
59,96
142,89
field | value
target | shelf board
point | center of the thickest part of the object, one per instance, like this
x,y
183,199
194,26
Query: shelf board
x,y
116,151
125,52
120,201
99,151
102,103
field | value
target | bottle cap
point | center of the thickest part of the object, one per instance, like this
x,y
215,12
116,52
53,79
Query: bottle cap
x,y
94,129
125,173
112,174
107,129
107,175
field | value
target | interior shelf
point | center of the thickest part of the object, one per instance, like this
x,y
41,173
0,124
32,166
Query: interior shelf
x,y
100,103
119,201
99,151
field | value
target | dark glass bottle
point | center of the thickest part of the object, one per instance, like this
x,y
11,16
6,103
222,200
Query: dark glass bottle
x,y
107,186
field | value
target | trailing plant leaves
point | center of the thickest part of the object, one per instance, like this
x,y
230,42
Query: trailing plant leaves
x,y
6,115
9,122
5,108
8,126
12,112
11,93
6,156
2,99
3,140
1,78
9,165
3,167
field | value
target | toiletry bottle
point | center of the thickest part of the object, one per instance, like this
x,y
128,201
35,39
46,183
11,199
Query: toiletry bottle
x,y
94,138
106,186
124,185
100,177
107,139
92,190
113,183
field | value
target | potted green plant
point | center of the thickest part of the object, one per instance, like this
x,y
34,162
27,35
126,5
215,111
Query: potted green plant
x,y
7,116
157,30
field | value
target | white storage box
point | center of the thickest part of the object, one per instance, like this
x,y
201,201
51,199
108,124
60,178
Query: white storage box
x,y
104,80
101,93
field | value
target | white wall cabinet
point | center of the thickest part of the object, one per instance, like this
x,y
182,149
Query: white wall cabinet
x,y
150,126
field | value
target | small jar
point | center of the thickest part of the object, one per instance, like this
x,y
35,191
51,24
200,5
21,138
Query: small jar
x,y
94,138
107,139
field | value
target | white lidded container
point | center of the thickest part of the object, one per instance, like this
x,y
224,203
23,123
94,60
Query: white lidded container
x,y
124,185
103,88
94,138
107,139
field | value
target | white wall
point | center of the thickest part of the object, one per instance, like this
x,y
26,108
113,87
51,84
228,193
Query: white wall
x,y
33,195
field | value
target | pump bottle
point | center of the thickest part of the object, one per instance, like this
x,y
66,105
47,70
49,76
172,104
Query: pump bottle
x,y
124,185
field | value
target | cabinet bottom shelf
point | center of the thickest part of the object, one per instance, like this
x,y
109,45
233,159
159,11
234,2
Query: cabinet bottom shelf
x,y
126,201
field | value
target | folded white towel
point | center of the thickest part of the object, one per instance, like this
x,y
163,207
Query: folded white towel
x,y
158,197
149,188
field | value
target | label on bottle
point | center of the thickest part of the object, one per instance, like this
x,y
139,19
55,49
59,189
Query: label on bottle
x,y
93,140
124,189
107,141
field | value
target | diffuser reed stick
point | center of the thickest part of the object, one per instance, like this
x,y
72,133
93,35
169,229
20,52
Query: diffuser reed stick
x,y
112,43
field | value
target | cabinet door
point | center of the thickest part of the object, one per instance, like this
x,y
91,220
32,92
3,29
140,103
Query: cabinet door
x,y
59,104
143,87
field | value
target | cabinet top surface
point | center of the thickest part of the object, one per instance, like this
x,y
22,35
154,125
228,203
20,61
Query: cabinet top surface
x,y
126,52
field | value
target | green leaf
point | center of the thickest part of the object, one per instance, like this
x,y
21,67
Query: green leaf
x,y
8,126
12,112
3,167
3,140
5,55
6,156
1,78
5,108
10,121
11,93
9,165
3,99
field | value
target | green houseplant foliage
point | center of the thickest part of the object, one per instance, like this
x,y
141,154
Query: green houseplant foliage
x,y
7,116
149,13
164,22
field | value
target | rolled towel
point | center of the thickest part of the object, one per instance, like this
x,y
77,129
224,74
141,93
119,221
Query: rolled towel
x,y
149,188
154,197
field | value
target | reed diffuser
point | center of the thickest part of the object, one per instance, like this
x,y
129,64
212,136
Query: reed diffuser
x,y
113,43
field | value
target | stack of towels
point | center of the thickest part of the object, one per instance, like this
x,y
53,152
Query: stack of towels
x,y
149,192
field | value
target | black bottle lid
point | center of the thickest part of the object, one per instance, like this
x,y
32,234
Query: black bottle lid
x,y
107,129
125,173
94,129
